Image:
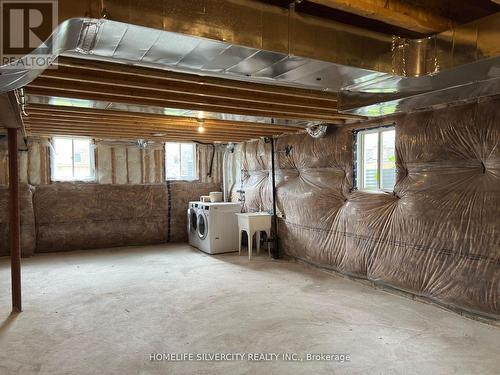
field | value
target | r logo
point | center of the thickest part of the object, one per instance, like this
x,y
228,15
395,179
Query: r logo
x,y
26,25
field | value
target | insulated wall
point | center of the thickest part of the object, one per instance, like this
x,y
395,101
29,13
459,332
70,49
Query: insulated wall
x,y
437,235
33,163
27,220
130,202
91,216
122,164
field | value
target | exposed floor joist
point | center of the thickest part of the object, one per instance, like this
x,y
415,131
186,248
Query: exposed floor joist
x,y
45,120
395,12
112,115
93,80
100,81
213,84
91,91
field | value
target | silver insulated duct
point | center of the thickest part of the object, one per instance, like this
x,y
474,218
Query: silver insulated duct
x,y
374,74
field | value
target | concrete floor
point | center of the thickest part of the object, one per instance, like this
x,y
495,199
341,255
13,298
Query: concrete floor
x,y
106,311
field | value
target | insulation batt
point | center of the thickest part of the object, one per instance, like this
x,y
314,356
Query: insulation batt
x,y
90,216
27,220
437,235
87,216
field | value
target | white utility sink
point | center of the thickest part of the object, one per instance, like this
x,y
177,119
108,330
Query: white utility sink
x,y
253,223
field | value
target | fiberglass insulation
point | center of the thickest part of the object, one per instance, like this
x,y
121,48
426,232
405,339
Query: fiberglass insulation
x,y
437,235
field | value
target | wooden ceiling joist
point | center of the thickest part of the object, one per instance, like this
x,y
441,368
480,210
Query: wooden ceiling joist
x,y
131,85
63,112
49,130
145,128
44,120
214,85
198,91
92,91
109,135
150,128
400,13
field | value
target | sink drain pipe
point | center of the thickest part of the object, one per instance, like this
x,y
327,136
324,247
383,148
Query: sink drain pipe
x,y
274,240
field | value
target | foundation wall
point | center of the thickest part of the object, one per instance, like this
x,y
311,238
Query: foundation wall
x,y
28,242
130,203
437,235
70,217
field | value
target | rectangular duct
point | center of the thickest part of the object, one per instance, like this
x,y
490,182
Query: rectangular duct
x,y
255,41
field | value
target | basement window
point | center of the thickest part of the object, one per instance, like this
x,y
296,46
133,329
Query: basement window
x,y
180,161
375,159
72,159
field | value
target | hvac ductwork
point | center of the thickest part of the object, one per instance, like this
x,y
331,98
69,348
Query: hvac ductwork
x,y
317,131
373,73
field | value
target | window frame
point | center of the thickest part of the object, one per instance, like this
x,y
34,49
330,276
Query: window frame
x,y
358,147
195,160
92,163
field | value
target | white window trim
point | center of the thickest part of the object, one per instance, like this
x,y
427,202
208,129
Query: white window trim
x,y
360,140
53,178
195,150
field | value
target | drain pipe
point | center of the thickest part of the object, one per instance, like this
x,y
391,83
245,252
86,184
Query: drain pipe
x,y
274,240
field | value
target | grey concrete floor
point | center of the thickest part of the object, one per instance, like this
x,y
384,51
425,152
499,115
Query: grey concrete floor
x,y
106,311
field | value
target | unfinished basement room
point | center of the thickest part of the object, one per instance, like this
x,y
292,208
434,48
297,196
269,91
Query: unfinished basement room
x,y
249,187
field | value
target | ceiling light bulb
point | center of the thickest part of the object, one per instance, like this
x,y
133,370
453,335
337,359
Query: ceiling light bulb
x,y
201,129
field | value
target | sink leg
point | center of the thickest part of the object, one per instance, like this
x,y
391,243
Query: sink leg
x,y
268,232
257,238
239,242
250,239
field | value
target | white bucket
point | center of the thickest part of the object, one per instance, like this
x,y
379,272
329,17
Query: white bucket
x,y
215,196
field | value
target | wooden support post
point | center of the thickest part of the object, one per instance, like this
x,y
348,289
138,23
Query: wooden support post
x,y
14,222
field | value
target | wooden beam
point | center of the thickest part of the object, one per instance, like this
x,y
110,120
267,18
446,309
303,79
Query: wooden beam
x,y
43,130
187,125
158,82
145,130
115,82
14,222
56,129
213,84
93,91
142,116
48,120
154,90
113,98
139,119
395,12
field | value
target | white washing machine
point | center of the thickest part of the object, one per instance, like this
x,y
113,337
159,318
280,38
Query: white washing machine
x,y
192,220
217,227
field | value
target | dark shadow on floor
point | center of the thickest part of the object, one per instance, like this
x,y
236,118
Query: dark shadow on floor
x,y
7,322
